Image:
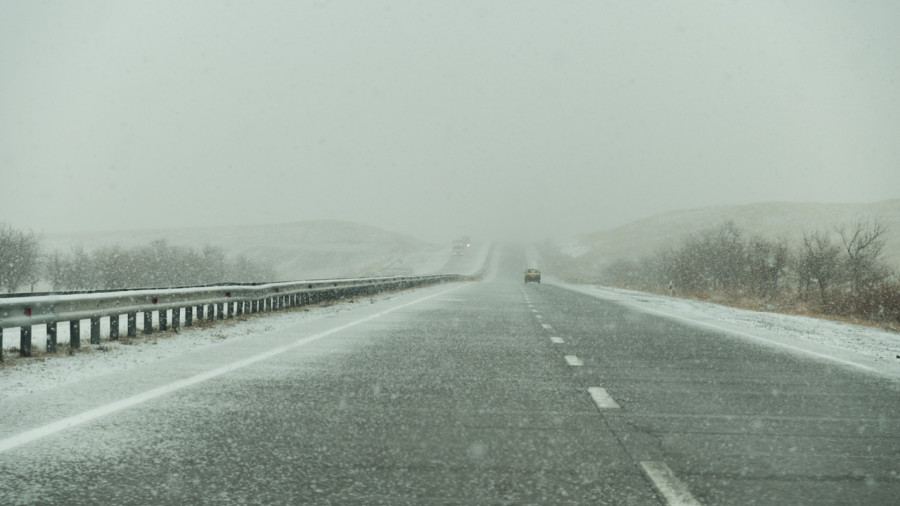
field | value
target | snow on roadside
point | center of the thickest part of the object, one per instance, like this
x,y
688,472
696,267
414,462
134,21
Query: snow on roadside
x,y
842,341
24,376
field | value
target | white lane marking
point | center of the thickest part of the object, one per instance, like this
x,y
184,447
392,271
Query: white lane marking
x,y
556,340
534,310
747,335
538,316
602,399
574,361
668,485
86,416
547,326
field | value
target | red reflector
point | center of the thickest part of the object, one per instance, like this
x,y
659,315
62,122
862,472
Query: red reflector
x,y
155,300
277,290
27,311
228,294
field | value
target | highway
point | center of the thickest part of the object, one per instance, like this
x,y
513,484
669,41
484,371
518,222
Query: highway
x,y
491,392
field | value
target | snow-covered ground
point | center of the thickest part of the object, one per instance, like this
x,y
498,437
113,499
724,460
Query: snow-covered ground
x,y
857,346
860,347
23,376
20,376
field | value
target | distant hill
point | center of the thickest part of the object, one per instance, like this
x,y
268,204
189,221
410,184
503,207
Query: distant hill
x,y
770,220
302,250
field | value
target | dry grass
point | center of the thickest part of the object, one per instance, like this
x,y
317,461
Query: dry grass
x,y
781,305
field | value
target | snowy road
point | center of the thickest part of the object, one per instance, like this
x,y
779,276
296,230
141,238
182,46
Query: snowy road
x,y
491,392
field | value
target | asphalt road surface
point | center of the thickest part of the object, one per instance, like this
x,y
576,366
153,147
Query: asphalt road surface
x,y
478,393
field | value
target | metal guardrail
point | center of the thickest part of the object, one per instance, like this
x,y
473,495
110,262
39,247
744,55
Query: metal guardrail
x,y
209,302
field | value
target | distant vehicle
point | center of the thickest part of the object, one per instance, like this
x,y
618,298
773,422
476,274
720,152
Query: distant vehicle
x,y
460,245
533,275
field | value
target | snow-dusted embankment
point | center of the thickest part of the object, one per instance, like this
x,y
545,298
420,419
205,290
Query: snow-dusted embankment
x,y
857,346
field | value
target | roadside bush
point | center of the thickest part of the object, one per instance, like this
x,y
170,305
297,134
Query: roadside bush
x,y
844,277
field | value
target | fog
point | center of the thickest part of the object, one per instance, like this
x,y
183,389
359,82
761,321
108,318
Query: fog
x,y
504,119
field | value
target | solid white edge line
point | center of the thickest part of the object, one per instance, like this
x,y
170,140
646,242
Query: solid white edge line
x,y
547,326
602,398
762,339
724,329
574,361
668,485
86,416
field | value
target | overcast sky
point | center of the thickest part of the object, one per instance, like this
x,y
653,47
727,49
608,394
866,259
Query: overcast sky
x,y
440,118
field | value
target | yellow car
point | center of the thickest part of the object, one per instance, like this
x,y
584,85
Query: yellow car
x,y
533,275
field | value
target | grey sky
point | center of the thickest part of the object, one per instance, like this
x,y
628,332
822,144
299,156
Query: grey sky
x,y
440,118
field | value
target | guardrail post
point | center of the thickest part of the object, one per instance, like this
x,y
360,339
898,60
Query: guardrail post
x,y
51,337
176,317
230,309
25,341
75,334
189,316
163,320
1,344
132,324
220,307
210,311
240,308
148,322
95,330
114,327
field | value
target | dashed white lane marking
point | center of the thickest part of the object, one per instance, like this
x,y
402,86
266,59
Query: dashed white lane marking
x,y
602,399
574,361
86,416
547,326
538,316
556,340
668,485
534,310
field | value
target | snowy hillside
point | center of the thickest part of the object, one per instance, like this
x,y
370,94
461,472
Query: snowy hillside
x,y
770,220
302,250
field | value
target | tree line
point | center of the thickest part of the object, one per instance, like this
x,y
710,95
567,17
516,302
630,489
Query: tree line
x,y
23,264
839,272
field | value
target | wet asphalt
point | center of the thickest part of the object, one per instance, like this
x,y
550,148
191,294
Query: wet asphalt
x,y
481,395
